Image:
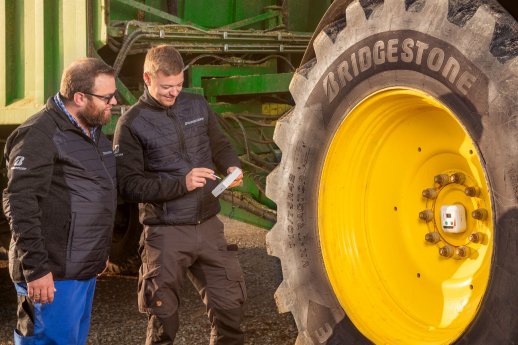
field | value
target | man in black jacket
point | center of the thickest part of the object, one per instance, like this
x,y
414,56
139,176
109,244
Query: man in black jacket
x,y
60,202
168,147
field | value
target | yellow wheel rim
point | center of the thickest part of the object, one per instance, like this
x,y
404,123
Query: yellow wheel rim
x,y
394,285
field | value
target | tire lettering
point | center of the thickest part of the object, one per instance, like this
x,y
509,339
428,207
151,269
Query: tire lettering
x,y
435,59
354,64
391,50
343,73
331,86
453,66
465,82
296,206
408,54
379,53
364,54
421,47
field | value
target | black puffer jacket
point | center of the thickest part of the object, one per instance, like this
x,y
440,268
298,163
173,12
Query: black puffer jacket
x,y
60,199
156,147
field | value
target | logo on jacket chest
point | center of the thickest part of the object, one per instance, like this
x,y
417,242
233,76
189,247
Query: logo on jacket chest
x,y
18,162
187,123
116,151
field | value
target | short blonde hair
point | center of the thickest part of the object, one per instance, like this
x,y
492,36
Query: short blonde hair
x,y
163,58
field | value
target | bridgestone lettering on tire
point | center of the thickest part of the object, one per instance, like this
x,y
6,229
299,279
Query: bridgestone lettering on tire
x,y
465,65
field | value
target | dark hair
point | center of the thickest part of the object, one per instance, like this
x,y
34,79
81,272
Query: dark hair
x,y
80,76
163,58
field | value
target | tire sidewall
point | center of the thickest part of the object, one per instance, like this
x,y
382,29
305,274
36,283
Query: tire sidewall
x,y
486,122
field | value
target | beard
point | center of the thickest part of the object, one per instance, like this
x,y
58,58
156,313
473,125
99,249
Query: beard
x,y
93,116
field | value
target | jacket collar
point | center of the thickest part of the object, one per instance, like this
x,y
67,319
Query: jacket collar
x,y
61,119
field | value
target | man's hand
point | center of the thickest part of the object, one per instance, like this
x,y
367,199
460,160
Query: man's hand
x,y
197,178
238,181
42,289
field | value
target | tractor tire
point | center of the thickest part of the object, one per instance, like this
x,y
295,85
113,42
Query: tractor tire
x,y
407,109
124,254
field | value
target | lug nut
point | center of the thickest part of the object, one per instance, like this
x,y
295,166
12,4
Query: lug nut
x,y
430,193
446,251
472,191
441,179
458,178
479,213
476,237
426,215
462,252
432,237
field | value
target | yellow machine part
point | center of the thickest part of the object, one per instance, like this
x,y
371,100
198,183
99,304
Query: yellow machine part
x,y
392,283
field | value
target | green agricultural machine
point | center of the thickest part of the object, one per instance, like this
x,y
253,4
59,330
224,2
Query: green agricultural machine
x,y
241,56
379,138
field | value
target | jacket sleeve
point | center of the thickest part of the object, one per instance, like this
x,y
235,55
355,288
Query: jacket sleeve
x,y
30,156
134,183
223,154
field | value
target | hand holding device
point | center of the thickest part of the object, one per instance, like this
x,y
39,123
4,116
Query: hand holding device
x,y
227,181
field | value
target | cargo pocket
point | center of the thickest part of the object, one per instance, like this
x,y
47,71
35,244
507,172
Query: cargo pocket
x,y
237,289
149,295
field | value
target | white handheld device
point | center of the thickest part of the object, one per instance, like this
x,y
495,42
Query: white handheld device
x,y
227,181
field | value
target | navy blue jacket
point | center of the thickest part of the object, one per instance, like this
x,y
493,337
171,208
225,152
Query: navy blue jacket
x,y
156,147
60,199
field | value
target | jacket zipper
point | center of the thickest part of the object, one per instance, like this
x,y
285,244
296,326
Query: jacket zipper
x,y
95,144
183,150
114,187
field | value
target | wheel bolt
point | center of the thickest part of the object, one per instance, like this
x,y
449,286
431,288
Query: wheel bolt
x,y
458,178
472,191
446,251
430,193
462,252
432,237
479,213
426,215
476,237
441,179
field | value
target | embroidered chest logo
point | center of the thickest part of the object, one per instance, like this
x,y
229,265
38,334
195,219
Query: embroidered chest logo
x,y
18,162
116,151
193,121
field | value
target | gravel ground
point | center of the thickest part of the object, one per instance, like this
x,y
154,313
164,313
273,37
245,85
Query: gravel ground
x,y
115,319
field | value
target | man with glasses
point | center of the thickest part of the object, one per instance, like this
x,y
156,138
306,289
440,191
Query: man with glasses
x,y
60,202
169,146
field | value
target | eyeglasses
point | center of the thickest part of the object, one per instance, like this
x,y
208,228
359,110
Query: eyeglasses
x,y
106,98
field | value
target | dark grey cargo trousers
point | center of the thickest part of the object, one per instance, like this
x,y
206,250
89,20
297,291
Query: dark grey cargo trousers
x,y
169,253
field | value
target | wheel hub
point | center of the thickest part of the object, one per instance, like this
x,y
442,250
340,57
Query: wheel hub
x,y
447,224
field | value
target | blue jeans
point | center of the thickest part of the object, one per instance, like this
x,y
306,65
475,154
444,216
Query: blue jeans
x,y
65,321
